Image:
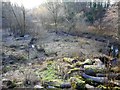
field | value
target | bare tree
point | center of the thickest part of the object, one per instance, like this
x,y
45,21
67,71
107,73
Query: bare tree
x,y
14,17
53,8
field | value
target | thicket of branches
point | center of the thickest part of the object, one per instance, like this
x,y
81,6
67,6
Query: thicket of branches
x,y
57,16
69,15
15,18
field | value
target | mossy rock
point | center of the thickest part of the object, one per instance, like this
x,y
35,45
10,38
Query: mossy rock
x,y
50,53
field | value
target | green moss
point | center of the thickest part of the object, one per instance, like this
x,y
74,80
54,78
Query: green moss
x,y
77,82
50,73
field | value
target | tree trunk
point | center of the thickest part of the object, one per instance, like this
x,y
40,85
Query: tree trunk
x,y
23,29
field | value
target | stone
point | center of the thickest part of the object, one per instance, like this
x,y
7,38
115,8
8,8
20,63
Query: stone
x,y
89,87
38,86
98,62
6,83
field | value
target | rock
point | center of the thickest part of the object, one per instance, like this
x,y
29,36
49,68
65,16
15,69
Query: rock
x,y
33,40
48,54
89,87
27,82
56,40
11,62
6,83
22,47
19,38
40,48
13,46
65,85
98,62
26,37
38,86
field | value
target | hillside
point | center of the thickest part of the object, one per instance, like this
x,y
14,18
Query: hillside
x,y
110,20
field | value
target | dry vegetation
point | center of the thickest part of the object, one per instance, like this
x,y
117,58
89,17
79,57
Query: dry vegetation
x,y
60,46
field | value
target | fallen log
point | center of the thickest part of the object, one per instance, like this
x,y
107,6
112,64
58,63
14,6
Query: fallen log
x,y
94,68
96,79
111,75
101,80
65,85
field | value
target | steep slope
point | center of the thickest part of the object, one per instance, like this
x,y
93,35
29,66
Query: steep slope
x,y
110,20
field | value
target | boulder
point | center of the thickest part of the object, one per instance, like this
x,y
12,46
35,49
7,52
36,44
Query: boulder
x,y
6,83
